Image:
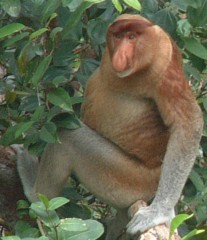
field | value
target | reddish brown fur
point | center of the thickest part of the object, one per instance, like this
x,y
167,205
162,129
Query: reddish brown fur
x,y
128,25
136,111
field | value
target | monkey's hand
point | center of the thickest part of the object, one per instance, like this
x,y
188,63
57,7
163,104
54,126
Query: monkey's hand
x,y
148,217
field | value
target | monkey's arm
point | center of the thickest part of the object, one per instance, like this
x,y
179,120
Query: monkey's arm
x,y
183,116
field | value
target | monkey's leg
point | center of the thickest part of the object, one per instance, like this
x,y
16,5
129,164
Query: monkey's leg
x,y
27,166
107,171
100,165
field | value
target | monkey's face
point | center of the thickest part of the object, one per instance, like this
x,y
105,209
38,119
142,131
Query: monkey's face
x,y
131,44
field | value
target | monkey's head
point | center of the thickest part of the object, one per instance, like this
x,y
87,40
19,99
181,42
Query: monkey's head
x,y
133,43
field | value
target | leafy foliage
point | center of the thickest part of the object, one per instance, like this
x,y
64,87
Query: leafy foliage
x,y
50,48
52,227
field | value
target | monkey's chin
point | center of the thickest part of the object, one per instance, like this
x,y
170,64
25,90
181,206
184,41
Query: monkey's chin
x,y
124,73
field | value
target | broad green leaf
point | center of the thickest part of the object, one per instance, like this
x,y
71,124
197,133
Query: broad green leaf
x,y
57,203
43,199
96,29
117,5
59,97
184,28
73,225
12,7
197,180
204,100
177,221
134,4
49,218
94,1
72,4
195,47
76,229
197,16
38,33
58,80
38,207
166,19
49,8
22,128
53,16
48,133
193,3
149,7
54,32
75,18
69,122
10,29
8,137
38,114
192,233
15,39
180,4
10,238
41,69
22,204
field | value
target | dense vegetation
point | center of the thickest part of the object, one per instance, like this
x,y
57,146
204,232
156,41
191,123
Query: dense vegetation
x,y
48,51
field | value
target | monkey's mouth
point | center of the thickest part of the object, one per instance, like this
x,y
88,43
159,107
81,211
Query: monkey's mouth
x,y
124,73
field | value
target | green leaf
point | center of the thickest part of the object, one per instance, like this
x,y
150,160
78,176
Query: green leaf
x,y
197,15
192,233
72,4
76,229
49,8
50,218
55,31
38,33
177,221
38,207
195,47
58,80
22,204
197,180
69,121
48,133
12,7
41,69
22,128
59,97
117,5
57,203
15,39
38,114
73,225
8,137
10,238
43,199
184,28
95,1
193,3
134,4
75,18
10,29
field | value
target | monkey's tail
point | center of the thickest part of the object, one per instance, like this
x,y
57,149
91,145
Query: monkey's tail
x,y
27,167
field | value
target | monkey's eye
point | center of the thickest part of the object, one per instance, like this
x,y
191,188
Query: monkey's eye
x,y
132,36
118,35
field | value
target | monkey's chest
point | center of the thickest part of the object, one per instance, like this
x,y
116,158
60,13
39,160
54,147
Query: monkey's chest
x,y
133,124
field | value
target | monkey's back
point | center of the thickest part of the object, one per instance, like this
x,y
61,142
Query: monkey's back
x,y
132,123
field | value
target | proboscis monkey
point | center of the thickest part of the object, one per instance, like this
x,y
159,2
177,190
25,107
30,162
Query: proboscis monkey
x,y
140,133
